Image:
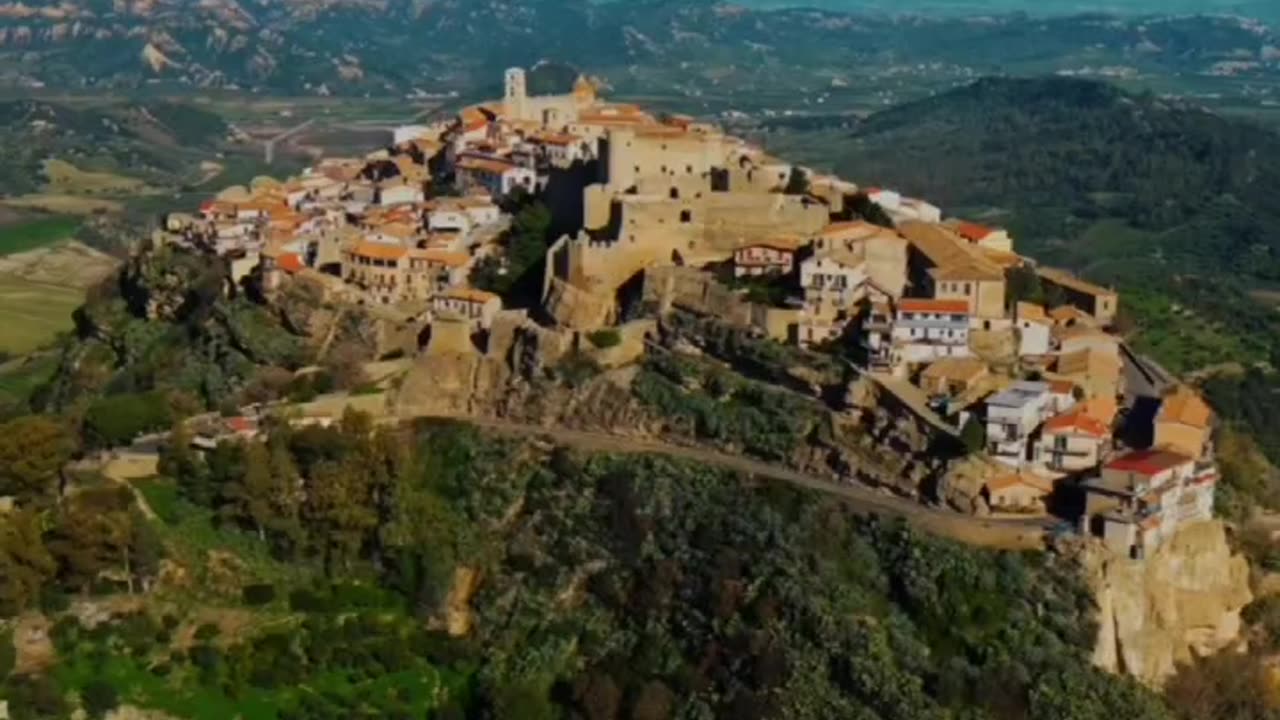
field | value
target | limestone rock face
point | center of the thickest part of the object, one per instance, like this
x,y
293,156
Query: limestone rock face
x,y
1182,601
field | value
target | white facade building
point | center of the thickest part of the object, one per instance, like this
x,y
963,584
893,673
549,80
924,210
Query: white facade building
x,y
1012,416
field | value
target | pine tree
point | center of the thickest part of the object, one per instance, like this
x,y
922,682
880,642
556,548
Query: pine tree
x,y
25,562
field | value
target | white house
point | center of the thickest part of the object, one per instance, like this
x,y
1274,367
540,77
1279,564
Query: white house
x,y
400,194
500,177
448,218
1071,442
1012,416
925,330
1034,329
831,279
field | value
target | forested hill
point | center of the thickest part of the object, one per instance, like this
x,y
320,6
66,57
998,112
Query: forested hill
x,y
1058,154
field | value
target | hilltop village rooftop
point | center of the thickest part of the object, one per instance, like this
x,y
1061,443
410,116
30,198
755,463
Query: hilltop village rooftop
x,y
1031,368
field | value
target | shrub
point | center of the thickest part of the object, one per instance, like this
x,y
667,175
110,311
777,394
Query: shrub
x,y
606,338
973,435
118,419
261,594
208,631
99,697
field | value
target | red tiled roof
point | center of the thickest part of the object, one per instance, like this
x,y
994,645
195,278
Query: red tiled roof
x,y
290,263
973,232
1148,462
1078,421
925,305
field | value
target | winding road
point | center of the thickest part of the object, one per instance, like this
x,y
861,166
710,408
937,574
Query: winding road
x,y
1004,533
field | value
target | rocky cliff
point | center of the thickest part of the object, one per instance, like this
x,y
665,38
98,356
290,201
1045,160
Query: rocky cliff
x,y
1183,601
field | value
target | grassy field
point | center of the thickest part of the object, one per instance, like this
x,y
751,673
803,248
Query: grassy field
x,y
37,233
62,203
63,177
34,313
20,378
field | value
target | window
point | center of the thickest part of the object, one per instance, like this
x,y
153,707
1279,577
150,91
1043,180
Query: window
x,y
675,193
967,288
686,216
688,169
1060,444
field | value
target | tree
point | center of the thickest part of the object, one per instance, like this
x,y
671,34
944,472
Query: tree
x,y
864,207
99,535
797,182
339,511
25,563
118,419
187,469
1023,285
99,697
33,450
973,435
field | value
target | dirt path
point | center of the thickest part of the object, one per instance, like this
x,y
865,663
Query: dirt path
x,y
124,467
1005,533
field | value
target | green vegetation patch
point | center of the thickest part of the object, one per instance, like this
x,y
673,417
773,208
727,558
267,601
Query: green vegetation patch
x,y
34,313
33,234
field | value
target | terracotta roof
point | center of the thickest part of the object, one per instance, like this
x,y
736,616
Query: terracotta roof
x,y
952,257
955,368
1067,280
1067,313
1148,462
970,270
241,424
1031,311
380,251
973,232
1185,407
1001,258
440,257
1077,421
497,166
785,243
468,295
557,138
290,263
925,305
1061,387
854,230
1005,482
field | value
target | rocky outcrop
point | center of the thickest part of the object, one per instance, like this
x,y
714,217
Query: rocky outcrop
x,y
1181,602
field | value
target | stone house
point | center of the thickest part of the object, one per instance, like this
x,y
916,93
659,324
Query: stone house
x,y
475,306
1019,492
952,376
1098,302
1184,423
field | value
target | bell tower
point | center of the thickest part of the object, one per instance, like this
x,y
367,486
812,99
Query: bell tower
x,y
516,94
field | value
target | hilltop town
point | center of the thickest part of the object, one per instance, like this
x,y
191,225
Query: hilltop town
x,y
1019,362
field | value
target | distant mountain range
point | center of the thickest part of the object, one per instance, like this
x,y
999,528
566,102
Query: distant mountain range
x,y
1265,9
431,46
